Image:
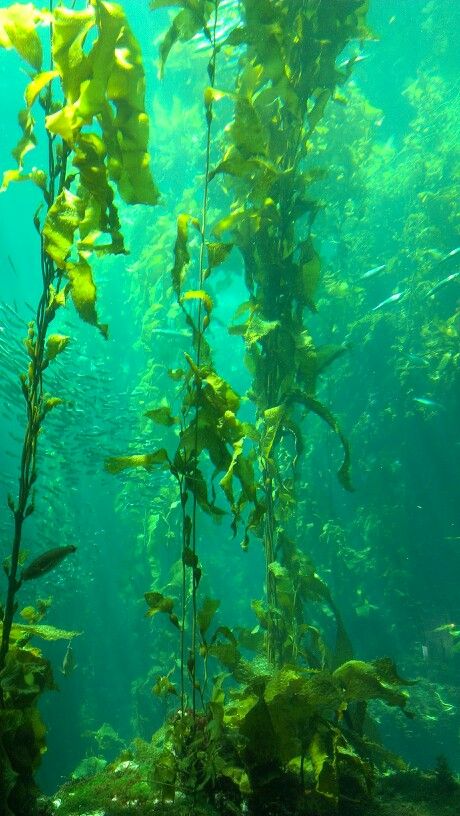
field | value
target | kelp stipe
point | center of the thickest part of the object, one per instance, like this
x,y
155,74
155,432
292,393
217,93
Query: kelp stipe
x,y
96,132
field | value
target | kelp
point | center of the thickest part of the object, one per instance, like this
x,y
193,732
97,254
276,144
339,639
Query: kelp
x,y
376,680
18,30
96,87
281,93
106,84
157,602
21,631
25,675
275,720
422,337
286,713
102,87
254,328
193,18
19,728
207,421
206,433
96,135
318,408
181,253
279,719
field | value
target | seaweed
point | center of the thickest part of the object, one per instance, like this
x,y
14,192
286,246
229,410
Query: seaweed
x,y
281,719
291,717
95,132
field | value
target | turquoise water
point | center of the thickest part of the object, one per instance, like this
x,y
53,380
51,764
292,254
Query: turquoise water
x,y
389,551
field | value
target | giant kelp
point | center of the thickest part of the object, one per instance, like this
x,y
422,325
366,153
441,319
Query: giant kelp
x,y
95,132
251,735
392,201
288,710
408,182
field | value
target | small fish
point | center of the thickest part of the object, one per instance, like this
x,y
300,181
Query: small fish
x,y
417,359
348,63
169,333
443,283
451,254
10,261
392,299
46,562
68,664
427,402
371,272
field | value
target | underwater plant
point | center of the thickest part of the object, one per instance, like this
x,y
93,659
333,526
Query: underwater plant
x,y
409,181
95,134
293,717
443,774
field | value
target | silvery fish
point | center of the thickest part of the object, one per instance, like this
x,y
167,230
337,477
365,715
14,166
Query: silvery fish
x,y
371,272
392,299
450,254
443,283
417,359
68,664
427,402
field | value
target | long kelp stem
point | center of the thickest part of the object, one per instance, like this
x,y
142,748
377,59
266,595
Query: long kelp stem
x,y
201,269
183,501
32,389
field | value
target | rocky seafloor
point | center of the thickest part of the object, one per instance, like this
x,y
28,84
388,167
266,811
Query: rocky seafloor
x,y
124,788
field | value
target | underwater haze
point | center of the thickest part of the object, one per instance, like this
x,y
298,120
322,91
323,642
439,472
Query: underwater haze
x,y
229,396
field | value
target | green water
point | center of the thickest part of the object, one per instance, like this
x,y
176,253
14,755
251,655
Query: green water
x,y
389,551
